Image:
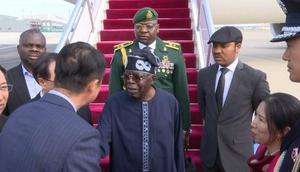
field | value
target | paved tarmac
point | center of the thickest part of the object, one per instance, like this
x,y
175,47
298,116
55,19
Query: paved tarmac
x,y
256,51
8,47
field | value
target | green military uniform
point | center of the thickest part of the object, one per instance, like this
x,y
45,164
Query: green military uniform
x,y
170,76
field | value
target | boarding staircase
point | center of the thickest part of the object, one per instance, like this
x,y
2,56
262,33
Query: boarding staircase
x,y
175,25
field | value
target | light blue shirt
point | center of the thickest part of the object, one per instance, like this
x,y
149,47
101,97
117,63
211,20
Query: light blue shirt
x,y
33,87
64,97
228,77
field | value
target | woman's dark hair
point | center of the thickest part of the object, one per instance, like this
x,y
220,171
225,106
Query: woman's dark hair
x,y
282,110
41,68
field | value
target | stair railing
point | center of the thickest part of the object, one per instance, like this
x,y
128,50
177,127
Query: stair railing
x,y
203,27
83,23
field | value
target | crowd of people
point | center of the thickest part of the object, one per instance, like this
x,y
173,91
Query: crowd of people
x,y
45,122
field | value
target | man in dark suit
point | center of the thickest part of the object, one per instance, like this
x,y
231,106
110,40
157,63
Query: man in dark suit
x,y
229,91
43,72
32,45
48,135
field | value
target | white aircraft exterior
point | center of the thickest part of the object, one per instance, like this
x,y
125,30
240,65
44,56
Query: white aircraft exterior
x,y
246,11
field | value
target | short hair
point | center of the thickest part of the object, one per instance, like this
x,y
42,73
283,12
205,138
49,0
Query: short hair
x,y
41,68
78,64
3,70
282,110
31,31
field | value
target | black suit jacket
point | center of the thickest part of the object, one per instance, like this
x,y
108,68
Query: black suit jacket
x,y
84,112
20,94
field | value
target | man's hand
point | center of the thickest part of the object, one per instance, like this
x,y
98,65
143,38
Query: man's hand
x,y
186,138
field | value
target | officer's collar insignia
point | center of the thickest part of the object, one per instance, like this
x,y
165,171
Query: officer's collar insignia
x,y
149,14
282,6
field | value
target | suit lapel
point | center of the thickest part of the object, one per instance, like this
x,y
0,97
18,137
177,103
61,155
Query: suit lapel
x,y
22,89
236,79
211,86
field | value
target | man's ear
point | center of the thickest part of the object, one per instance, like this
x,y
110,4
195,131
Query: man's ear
x,y
94,84
41,82
286,130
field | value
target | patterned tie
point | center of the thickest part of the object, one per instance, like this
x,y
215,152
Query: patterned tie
x,y
147,48
220,89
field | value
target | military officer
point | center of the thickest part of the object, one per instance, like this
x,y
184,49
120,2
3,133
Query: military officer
x,y
171,74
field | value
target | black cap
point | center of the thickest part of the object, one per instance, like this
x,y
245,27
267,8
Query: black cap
x,y
226,34
142,60
291,28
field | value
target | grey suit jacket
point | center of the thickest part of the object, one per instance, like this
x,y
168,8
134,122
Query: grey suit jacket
x,y
229,132
47,135
20,94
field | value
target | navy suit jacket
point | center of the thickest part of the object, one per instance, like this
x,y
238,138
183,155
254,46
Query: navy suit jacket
x,y
47,135
84,112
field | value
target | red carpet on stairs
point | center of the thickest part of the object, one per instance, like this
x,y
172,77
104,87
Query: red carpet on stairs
x,y
175,25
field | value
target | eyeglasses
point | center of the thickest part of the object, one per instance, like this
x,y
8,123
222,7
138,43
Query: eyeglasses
x,y
140,26
135,77
6,87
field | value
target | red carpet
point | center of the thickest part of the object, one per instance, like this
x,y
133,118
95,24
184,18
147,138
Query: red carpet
x,y
175,25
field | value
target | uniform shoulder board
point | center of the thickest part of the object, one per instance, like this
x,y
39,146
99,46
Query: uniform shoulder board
x,y
172,45
122,45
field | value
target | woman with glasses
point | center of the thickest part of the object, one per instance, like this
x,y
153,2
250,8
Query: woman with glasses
x,y
4,90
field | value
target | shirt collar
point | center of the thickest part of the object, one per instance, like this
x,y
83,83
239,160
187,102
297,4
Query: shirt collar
x,y
25,71
232,66
152,45
64,97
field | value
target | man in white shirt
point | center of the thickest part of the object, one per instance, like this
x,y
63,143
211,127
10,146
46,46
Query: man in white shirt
x,y
32,45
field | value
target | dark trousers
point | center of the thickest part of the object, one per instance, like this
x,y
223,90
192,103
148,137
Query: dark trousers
x,y
217,167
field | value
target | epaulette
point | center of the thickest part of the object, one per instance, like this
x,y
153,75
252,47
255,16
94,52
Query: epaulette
x,y
122,45
172,45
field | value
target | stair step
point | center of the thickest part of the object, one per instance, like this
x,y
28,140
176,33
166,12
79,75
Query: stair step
x,y
153,4
162,13
128,34
96,109
163,23
191,76
190,60
106,47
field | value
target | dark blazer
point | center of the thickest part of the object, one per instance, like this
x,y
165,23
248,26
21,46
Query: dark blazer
x,y
20,94
84,112
2,121
47,135
229,132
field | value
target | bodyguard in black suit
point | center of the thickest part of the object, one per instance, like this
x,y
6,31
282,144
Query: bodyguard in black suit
x,y
229,91
47,135
32,45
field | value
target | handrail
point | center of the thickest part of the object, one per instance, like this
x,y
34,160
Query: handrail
x,y
202,27
84,23
69,28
